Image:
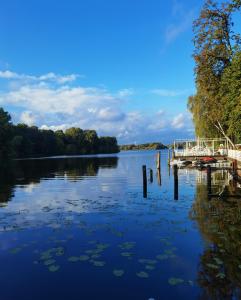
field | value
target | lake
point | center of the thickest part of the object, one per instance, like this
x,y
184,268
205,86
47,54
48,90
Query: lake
x,y
79,228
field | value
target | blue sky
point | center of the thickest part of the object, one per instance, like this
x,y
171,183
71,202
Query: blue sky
x,y
123,68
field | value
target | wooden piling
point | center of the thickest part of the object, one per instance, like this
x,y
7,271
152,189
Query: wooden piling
x,y
151,175
158,161
168,159
209,180
175,170
144,181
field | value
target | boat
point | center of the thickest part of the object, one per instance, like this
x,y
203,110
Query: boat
x,y
180,162
208,160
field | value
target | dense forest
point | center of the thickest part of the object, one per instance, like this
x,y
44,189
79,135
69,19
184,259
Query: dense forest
x,y
147,146
18,141
216,106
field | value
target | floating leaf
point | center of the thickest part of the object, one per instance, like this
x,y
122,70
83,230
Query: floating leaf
x,y
147,261
54,268
175,281
190,282
220,275
126,254
212,266
49,262
15,250
218,261
150,267
83,257
127,245
118,273
162,256
142,274
59,251
73,258
98,263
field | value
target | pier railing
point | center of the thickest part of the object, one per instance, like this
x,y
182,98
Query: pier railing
x,y
205,152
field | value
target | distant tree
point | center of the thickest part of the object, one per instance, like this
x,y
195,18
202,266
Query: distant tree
x,y
5,135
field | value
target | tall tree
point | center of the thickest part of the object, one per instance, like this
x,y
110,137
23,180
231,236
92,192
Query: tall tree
x,y
215,46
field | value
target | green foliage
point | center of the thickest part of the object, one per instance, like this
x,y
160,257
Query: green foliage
x,y
24,141
216,105
147,146
5,135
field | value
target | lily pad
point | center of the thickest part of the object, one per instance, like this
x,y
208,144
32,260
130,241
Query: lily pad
x,y
220,275
212,266
175,281
118,273
150,267
83,257
49,262
54,268
15,250
98,263
127,245
162,256
73,258
142,274
126,254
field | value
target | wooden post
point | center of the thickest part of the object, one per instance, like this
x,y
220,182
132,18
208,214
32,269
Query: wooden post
x,y
151,175
158,162
175,169
168,159
209,180
144,181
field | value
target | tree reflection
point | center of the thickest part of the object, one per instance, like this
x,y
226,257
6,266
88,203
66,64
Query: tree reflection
x,y
26,172
219,222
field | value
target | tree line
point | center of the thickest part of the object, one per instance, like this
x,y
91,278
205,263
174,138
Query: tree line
x,y
21,140
147,146
216,105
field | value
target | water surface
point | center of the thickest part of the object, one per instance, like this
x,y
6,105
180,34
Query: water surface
x,y
79,228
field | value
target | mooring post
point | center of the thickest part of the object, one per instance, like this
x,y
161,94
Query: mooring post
x,y
144,181
151,175
175,169
158,161
168,159
209,180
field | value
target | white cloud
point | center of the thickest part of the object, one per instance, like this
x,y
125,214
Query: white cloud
x,y
178,121
28,118
110,114
125,93
182,20
169,93
45,77
60,107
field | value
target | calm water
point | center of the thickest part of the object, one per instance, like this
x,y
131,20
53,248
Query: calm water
x,y
79,228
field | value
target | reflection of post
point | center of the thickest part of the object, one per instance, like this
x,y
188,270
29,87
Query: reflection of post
x,y
144,181
158,161
234,166
151,175
175,169
159,178
209,180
